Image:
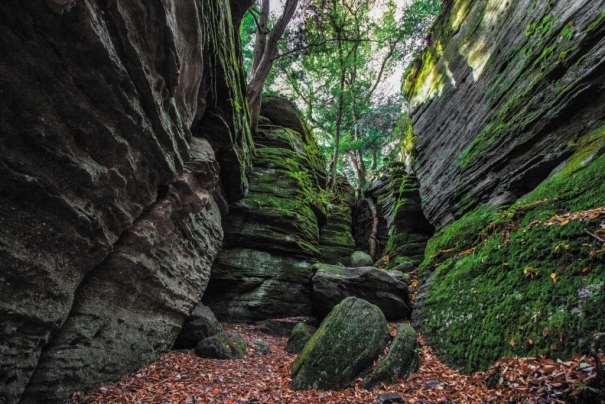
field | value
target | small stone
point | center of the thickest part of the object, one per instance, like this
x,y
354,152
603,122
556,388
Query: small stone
x,y
301,334
389,398
260,347
224,345
361,259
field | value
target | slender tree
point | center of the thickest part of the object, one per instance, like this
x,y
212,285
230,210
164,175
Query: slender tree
x,y
265,49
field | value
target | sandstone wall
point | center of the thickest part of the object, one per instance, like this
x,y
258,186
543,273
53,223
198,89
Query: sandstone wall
x,y
115,118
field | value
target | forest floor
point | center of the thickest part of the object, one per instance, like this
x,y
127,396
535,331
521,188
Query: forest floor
x,y
182,377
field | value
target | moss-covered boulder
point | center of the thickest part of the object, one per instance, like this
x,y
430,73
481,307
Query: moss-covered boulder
x,y
345,344
224,345
401,360
332,284
300,335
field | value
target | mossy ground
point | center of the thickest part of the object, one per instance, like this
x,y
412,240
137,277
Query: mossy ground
x,y
502,285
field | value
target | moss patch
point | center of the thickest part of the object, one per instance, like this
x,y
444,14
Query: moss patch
x,y
500,283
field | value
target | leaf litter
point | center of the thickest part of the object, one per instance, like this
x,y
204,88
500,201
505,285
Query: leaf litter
x,y
182,377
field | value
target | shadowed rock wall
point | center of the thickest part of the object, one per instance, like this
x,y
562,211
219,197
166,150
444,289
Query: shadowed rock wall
x,y
114,119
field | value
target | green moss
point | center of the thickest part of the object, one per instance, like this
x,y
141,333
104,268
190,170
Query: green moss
x,y
492,289
597,23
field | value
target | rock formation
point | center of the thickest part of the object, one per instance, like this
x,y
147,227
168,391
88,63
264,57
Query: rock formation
x,y
116,118
402,228
272,235
507,105
336,243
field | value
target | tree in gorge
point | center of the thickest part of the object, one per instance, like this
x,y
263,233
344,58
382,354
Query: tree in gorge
x,y
335,63
265,49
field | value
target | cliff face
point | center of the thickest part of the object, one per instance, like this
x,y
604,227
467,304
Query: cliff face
x,y
272,235
403,231
501,98
123,125
507,104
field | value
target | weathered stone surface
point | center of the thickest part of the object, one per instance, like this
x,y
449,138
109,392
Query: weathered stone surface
x,y
403,231
99,104
200,324
224,345
361,259
251,285
332,284
336,243
300,335
272,235
130,308
508,108
345,344
401,360
500,99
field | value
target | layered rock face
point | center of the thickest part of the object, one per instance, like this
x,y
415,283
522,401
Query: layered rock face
x,y
115,118
507,104
403,231
272,235
501,98
336,243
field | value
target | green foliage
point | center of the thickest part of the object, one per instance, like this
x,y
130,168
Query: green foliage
x,y
334,68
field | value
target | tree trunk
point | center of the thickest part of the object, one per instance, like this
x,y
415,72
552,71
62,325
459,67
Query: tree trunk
x,y
334,162
373,239
263,59
374,160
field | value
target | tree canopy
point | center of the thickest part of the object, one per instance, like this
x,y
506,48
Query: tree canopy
x,y
336,61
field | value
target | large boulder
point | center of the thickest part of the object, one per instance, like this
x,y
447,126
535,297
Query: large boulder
x,y
401,360
200,324
332,284
251,284
224,345
346,343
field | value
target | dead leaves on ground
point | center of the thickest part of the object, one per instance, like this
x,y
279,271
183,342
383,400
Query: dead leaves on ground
x,y
182,377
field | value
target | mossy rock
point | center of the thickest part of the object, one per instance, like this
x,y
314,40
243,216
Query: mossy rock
x,y
401,361
300,335
260,347
361,259
515,277
224,345
346,343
